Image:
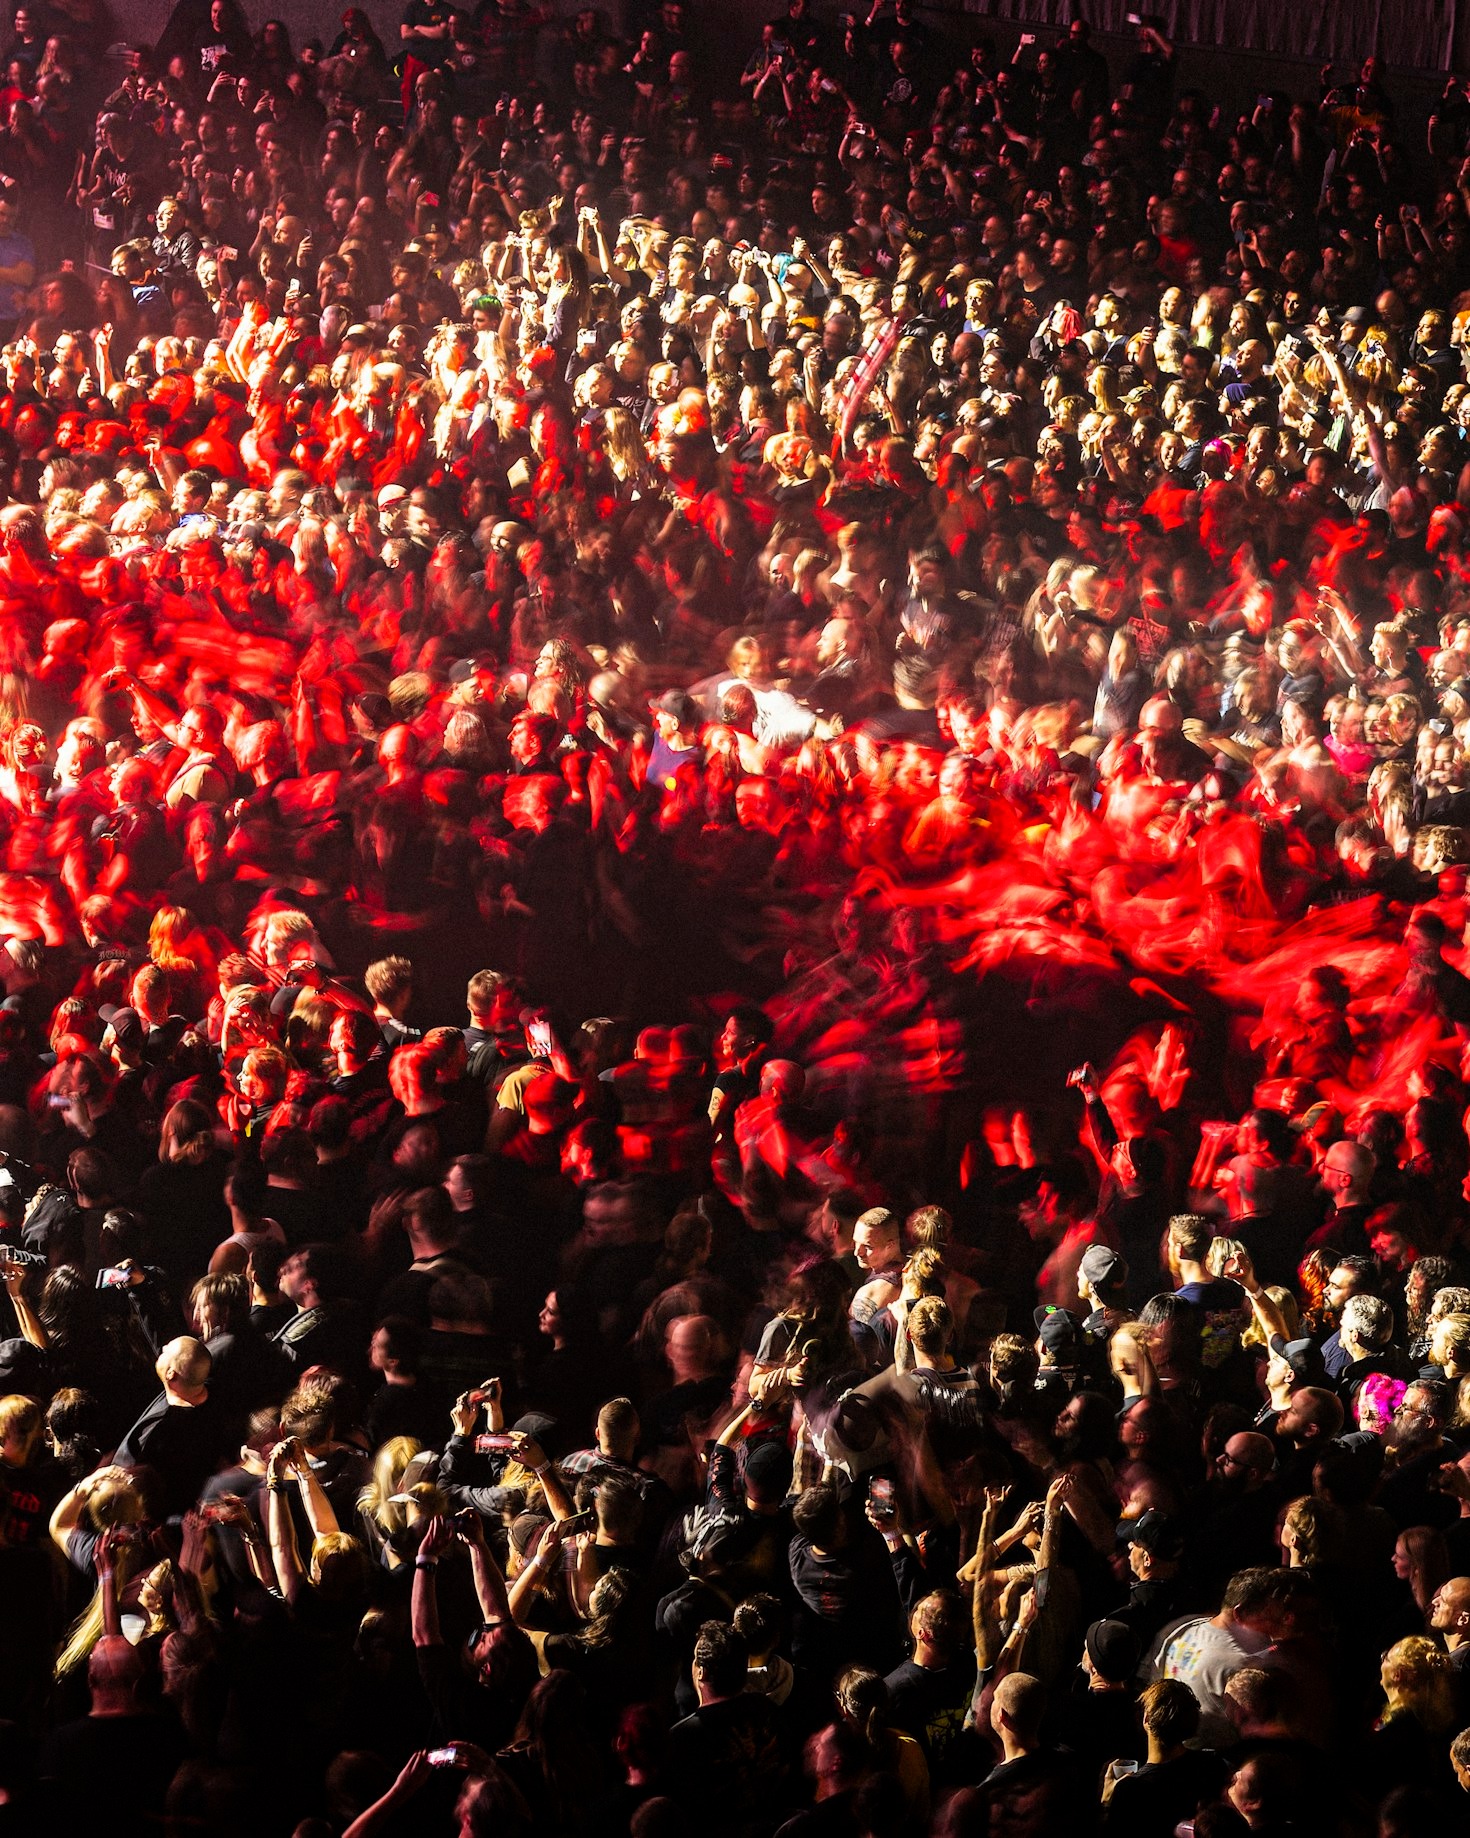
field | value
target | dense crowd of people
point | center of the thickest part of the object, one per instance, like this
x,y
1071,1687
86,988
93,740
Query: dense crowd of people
x,y
734,824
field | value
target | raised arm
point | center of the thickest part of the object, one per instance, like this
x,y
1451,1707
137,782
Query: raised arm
x,y
291,1579
30,1326
523,1589
416,1771
105,1562
321,1515
529,1453
69,1510
424,1613
490,1590
1272,1322
231,1510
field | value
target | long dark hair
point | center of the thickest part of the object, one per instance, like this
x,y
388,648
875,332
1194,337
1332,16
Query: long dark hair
x,y
553,1728
68,1311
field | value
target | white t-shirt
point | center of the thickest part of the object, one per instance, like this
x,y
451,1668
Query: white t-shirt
x,y
1205,1658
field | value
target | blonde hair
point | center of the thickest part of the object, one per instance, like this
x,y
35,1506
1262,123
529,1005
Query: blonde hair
x,y
925,1269
337,1559
389,1464
1220,1252
1285,1300
1312,1524
113,1501
21,1416
1418,1682
281,931
216,1300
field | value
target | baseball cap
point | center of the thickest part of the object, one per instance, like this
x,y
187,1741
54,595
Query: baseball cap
x,y
1114,1650
678,703
1156,1532
1319,1119
1103,1267
391,494
1056,1329
127,1028
1304,1357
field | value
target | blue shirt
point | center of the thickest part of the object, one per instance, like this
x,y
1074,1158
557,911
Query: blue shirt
x,y
14,249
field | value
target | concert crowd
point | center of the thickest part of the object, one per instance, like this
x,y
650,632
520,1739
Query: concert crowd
x,y
734,827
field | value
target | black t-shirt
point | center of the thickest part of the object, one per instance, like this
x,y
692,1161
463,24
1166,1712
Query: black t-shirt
x,y
1039,1794
408,1293
180,1442
404,1410
110,1773
331,1334
430,51
728,1763
1151,1803
460,1706
1098,1727
929,1703
849,1604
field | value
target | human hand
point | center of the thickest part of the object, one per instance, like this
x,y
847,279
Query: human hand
x,y
889,1526
104,1556
437,1538
528,1452
463,1413
1454,1481
230,1509
415,1771
469,1527
1239,1269
279,1465
194,1550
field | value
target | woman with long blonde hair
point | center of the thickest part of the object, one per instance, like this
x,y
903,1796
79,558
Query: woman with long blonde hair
x,y
105,1502
1410,1740
384,1518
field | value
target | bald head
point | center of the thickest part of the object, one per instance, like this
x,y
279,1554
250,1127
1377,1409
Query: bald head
x,y
1250,1455
183,1369
1159,715
1347,1169
1449,1613
782,1079
1017,1708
